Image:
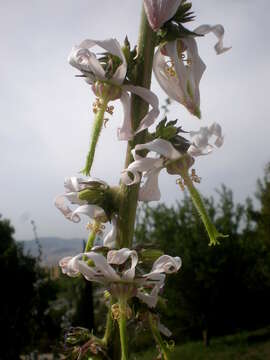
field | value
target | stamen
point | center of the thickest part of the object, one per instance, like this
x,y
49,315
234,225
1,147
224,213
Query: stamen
x,y
180,182
105,121
110,109
116,312
96,227
194,177
96,105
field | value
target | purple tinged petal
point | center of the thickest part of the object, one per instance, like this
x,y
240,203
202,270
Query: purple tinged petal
x,y
119,257
65,210
160,11
166,264
67,266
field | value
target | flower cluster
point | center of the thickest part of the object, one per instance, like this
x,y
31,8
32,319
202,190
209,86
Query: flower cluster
x,y
178,69
110,83
117,271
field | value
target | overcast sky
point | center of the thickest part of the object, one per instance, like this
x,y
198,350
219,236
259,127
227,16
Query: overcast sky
x,y
46,114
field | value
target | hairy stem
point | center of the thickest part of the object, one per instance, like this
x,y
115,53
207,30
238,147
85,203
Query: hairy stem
x,y
142,77
90,241
96,130
199,205
109,327
122,322
158,338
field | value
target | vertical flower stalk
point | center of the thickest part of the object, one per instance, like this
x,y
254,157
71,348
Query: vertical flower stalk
x,y
122,322
95,229
96,130
158,338
109,326
143,72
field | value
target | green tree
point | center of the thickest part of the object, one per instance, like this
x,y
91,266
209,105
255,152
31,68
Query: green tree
x,y
219,289
26,292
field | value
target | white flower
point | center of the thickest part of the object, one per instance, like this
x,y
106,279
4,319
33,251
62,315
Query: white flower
x,y
160,11
150,167
200,144
180,77
118,273
179,68
73,186
87,62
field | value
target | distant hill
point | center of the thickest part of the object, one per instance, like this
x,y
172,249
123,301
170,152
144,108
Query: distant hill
x,y
53,249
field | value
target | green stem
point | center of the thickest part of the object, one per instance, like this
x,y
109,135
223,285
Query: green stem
x,y
90,241
199,205
122,322
96,130
142,77
158,338
109,326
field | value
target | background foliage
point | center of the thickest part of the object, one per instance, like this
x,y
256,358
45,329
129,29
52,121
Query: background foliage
x,y
219,290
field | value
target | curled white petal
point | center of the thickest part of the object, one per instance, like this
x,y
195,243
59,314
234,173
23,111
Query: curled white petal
x,y
218,31
74,183
119,257
200,140
119,268
160,11
150,299
166,264
137,167
86,61
149,97
59,202
110,238
161,147
93,211
68,267
150,189
125,131
114,48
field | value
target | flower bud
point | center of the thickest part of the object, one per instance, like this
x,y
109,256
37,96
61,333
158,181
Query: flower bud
x,y
160,11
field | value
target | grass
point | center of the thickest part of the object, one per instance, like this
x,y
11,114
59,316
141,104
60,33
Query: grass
x,y
243,346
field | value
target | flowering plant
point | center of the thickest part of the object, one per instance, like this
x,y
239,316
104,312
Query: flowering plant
x,y
170,49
